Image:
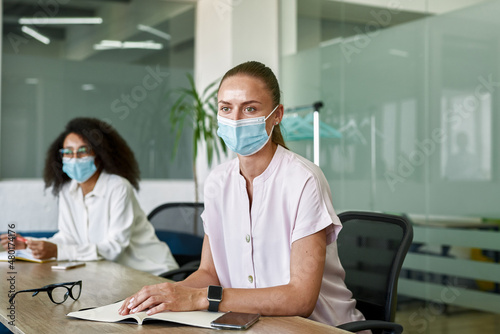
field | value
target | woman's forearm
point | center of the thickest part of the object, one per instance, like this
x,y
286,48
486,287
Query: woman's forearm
x,y
298,297
200,279
280,300
286,300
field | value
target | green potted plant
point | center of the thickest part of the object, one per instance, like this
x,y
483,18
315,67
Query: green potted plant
x,y
198,111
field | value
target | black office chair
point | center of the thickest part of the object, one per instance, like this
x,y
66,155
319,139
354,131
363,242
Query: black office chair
x,y
372,248
181,227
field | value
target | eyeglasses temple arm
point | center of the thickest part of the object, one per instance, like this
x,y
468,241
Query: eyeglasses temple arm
x,y
29,290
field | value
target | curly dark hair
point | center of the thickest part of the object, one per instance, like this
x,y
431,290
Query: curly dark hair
x,y
112,153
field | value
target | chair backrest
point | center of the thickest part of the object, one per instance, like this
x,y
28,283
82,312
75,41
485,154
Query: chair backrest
x,y
372,248
181,227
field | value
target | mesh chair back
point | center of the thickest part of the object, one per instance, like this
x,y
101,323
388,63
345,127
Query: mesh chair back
x,y
181,227
372,248
179,217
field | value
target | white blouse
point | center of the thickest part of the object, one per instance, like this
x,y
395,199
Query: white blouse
x,y
108,223
251,246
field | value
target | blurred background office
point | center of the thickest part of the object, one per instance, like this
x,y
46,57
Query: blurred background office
x,y
410,88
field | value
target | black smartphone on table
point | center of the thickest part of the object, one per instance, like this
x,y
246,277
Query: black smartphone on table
x,y
235,320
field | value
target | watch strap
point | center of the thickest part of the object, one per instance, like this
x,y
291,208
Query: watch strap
x,y
213,305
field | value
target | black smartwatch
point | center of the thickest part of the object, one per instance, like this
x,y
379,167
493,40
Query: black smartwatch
x,y
214,297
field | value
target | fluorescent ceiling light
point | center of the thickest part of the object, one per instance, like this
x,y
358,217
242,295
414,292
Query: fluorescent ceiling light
x,y
88,87
31,81
108,45
329,42
60,20
154,31
399,53
142,45
35,34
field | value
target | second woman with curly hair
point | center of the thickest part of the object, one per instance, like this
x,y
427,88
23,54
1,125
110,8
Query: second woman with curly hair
x,y
93,171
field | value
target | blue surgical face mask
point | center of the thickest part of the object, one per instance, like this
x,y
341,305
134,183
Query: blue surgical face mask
x,y
79,169
244,136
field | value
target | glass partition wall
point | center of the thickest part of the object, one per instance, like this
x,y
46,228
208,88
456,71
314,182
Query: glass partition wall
x,y
414,94
114,60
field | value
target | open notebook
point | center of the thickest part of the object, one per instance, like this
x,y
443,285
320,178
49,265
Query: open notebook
x,y
24,255
109,313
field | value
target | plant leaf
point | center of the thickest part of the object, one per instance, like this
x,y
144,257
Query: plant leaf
x,y
205,91
200,111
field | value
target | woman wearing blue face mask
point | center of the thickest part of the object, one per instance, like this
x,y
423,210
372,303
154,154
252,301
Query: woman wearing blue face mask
x,y
93,171
270,227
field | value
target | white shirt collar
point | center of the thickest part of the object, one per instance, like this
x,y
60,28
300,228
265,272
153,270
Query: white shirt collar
x,y
99,187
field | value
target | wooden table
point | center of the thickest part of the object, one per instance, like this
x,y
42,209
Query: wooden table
x,y
104,283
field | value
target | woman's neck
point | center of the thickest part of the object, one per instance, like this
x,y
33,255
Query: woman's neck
x,y
89,185
255,164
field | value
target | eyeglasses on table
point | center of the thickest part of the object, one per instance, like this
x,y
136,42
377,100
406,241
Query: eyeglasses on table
x,y
58,292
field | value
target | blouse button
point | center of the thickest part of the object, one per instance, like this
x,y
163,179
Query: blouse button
x,y
250,278
247,238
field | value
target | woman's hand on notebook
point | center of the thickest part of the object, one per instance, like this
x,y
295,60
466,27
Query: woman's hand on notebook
x,y
165,297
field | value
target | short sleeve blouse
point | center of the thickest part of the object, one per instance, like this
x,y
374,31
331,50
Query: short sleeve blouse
x,y
251,246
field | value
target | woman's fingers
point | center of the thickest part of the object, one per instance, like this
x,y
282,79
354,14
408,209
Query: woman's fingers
x,y
148,304
4,241
33,244
157,309
145,294
7,240
124,310
142,299
36,247
42,249
138,298
163,297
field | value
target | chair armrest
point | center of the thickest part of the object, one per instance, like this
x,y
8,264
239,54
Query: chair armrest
x,y
182,272
192,264
357,326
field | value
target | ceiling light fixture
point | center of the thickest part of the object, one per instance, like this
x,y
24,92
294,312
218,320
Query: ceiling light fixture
x,y
154,31
88,87
60,20
142,45
399,53
35,34
31,81
109,45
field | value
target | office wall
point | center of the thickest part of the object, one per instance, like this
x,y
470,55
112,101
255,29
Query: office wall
x,y
227,35
32,208
418,108
47,85
218,46
41,95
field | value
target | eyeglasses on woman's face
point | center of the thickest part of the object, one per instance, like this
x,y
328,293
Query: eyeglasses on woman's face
x,y
58,292
82,151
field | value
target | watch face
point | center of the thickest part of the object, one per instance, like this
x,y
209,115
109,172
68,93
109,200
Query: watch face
x,y
214,292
